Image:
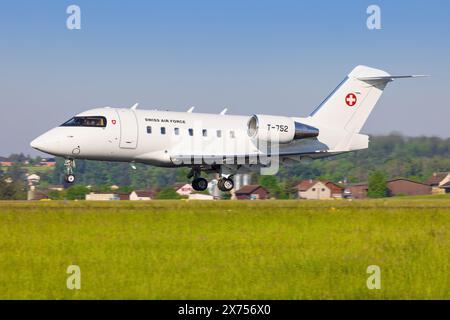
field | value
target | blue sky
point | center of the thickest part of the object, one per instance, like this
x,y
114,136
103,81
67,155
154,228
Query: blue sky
x,y
252,56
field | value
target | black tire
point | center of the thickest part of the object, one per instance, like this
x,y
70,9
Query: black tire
x,y
200,184
70,178
225,184
228,184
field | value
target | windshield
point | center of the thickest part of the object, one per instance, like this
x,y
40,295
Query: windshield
x,y
85,122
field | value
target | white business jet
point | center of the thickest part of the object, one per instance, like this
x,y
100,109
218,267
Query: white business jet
x,y
220,143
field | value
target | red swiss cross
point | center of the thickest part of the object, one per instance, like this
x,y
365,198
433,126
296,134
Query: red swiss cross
x,y
113,121
351,99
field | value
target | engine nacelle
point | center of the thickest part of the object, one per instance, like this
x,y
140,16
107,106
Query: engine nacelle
x,y
281,129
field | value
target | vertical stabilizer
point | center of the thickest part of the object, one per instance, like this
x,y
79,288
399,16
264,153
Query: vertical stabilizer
x,y
350,104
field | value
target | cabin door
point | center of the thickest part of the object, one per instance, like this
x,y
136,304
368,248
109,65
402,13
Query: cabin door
x,y
128,129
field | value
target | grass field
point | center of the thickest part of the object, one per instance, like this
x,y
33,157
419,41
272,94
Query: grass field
x,y
226,249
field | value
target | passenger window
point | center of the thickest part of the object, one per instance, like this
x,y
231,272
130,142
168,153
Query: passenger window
x,y
313,189
163,130
149,129
219,133
232,134
176,131
191,132
204,132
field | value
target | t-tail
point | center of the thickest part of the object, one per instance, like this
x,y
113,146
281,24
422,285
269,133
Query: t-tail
x,y
341,116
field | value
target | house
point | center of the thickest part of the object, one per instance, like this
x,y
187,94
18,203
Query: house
x,y
439,182
401,186
251,192
47,163
446,187
101,196
396,187
142,195
123,196
200,196
56,187
36,195
183,189
6,164
356,190
315,190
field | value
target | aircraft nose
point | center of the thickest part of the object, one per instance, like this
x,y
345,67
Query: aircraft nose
x,y
37,143
48,142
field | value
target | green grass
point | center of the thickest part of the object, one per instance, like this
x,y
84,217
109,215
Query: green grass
x,y
226,250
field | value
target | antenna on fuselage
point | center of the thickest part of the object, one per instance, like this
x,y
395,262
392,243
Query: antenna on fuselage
x,y
190,110
224,111
134,106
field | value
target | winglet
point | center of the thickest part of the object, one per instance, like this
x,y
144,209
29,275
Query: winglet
x,y
190,110
134,106
224,111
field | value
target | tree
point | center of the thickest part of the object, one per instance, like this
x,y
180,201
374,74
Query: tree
x,y
167,194
77,192
16,172
289,190
225,195
271,184
12,191
125,189
377,185
56,195
17,158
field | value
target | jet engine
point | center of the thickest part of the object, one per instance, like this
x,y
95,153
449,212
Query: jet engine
x,y
281,129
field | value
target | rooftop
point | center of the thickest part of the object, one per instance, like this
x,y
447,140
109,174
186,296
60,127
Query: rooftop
x,y
247,189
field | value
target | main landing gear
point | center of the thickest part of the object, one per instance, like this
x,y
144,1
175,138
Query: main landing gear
x,y
200,184
225,184
69,164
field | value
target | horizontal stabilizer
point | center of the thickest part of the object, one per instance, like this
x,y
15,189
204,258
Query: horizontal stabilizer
x,y
390,78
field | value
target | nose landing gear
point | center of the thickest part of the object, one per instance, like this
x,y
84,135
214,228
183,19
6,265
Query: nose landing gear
x,y
70,178
69,164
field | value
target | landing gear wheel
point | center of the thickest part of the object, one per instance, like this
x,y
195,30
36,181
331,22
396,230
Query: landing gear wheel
x,y
200,184
69,164
225,184
70,178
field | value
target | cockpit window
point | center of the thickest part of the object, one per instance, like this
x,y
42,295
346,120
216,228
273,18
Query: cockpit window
x,y
85,122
